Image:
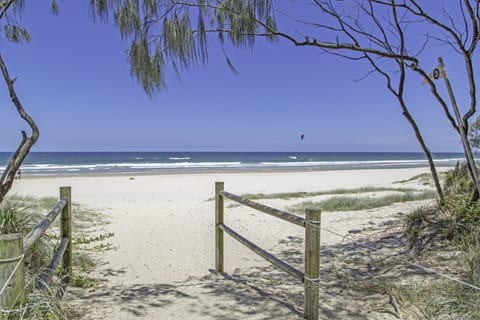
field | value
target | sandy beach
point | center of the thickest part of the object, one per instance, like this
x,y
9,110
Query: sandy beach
x,y
163,256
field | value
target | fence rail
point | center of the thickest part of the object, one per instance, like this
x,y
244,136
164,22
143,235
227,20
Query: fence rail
x,y
311,223
13,248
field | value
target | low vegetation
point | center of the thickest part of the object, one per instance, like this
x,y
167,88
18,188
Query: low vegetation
x,y
447,236
355,203
349,199
443,236
293,195
19,215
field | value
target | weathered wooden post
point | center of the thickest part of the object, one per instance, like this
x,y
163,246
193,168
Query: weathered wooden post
x,y
66,231
312,263
12,274
218,232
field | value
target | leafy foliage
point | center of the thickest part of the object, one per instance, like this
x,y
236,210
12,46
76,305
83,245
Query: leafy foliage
x,y
10,220
175,32
10,15
459,187
16,33
452,228
456,218
20,214
474,134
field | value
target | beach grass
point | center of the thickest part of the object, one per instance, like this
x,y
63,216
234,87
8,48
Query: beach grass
x,y
433,241
20,214
296,195
423,178
347,199
356,203
430,300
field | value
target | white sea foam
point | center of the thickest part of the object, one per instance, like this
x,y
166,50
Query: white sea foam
x,y
127,166
183,163
352,163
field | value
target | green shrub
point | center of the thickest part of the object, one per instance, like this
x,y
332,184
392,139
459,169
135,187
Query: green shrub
x,y
458,180
459,188
19,214
13,218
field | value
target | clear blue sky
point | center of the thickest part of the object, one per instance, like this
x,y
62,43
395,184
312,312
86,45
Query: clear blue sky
x,y
74,80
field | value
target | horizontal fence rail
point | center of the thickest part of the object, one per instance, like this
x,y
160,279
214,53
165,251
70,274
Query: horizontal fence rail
x,y
13,248
312,244
53,266
265,254
299,221
43,225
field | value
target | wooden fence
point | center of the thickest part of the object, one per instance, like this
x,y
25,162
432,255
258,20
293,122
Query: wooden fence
x,y
311,223
13,248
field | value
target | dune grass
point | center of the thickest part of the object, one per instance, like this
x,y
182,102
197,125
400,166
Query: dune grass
x,y
423,178
295,195
352,200
19,215
356,203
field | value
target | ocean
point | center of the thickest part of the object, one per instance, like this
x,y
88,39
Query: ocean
x,y
82,163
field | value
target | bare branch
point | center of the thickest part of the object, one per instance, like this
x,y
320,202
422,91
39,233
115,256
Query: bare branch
x,y
475,21
5,8
27,142
447,15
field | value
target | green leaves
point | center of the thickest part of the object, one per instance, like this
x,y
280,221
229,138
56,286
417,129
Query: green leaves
x,y
55,8
11,12
147,68
175,33
16,33
128,18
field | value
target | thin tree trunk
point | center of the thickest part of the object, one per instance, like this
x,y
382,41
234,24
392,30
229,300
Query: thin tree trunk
x,y
27,142
428,154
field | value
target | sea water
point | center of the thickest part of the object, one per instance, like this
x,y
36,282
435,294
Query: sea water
x,y
81,163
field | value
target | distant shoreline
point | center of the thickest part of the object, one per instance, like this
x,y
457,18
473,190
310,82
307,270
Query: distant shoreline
x,y
200,171
136,163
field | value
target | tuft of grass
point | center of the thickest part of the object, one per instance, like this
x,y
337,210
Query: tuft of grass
x,y
81,281
89,240
300,194
349,203
470,244
423,178
10,221
20,214
453,226
415,225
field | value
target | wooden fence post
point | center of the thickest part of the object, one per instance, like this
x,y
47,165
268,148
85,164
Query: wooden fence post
x,y
218,232
12,274
312,263
66,231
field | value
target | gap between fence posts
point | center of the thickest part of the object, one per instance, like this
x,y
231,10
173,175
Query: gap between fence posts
x,y
218,232
312,263
12,275
66,232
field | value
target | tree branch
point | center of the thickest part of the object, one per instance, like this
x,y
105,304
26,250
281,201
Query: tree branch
x,y
26,143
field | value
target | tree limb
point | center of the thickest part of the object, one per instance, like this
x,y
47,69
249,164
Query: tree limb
x,y
25,145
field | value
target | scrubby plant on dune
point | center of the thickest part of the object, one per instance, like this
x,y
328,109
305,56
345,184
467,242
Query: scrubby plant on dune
x,y
19,215
451,227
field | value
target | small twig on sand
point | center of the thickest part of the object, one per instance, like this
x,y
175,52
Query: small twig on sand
x,y
393,302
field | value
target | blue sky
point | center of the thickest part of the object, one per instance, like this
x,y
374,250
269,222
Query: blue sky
x,y
74,80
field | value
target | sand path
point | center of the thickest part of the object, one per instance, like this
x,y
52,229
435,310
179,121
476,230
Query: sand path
x,y
163,229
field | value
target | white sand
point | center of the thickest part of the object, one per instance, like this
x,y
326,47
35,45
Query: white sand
x,y
163,229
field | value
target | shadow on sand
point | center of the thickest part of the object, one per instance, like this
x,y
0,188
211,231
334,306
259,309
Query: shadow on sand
x,y
264,292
